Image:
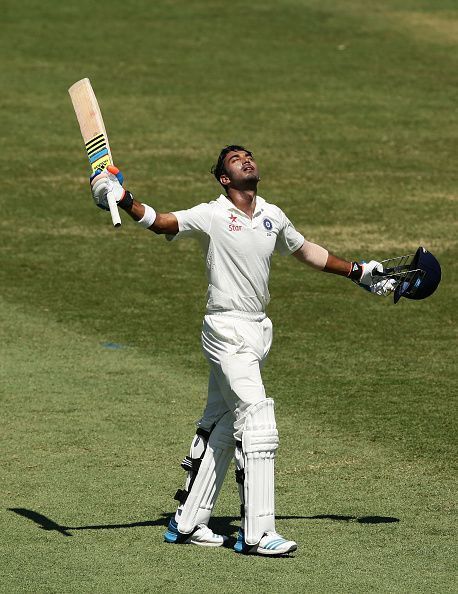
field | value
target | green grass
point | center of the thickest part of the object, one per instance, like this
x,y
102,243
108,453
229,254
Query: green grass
x,y
350,109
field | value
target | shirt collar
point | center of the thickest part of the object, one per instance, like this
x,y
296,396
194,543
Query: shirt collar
x,y
228,205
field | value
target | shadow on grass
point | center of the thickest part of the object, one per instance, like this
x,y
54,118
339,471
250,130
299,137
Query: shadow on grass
x,y
221,524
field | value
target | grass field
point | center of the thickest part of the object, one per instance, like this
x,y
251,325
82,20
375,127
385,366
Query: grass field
x,y
351,110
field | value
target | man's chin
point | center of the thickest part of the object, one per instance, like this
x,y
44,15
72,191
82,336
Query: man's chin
x,y
252,179
249,182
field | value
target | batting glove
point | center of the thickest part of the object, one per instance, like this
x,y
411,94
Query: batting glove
x,y
369,269
108,180
384,287
363,274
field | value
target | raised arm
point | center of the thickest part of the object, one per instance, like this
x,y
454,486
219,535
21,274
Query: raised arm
x,y
160,223
111,181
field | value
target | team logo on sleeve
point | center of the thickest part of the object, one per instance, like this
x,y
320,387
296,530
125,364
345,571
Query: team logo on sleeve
x,y
267,224
232,225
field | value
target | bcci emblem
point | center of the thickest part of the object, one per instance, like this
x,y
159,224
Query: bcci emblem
x,y
267,224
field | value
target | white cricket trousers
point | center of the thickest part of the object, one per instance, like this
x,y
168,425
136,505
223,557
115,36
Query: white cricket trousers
x,y
236,349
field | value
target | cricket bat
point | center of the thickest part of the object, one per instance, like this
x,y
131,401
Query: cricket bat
x,y
95,137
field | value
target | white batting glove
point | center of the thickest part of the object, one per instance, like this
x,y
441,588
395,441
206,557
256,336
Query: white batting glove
x,y
369,269
384,287
108,180
365,275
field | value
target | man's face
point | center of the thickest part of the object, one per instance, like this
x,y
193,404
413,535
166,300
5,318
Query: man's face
x,y
241,171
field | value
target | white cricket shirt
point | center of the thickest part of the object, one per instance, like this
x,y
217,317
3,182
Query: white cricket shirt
x,y
238,250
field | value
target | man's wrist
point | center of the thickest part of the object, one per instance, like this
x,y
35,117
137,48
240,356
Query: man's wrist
x,y
148,218
126,201
356,272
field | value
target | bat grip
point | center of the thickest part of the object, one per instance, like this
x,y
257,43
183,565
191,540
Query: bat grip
x,y
113,210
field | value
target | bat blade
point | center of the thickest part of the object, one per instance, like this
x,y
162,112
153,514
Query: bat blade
x,y
94,134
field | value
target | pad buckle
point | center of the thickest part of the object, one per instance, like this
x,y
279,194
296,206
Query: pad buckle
x,y
181,495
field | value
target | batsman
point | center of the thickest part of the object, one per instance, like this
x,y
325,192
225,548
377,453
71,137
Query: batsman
x,y
239,232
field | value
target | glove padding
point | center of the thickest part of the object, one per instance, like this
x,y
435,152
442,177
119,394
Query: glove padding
x,y
383,287
373,282
108,180
369,269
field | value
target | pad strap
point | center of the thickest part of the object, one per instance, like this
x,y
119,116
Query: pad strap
x,y
191,464
181,495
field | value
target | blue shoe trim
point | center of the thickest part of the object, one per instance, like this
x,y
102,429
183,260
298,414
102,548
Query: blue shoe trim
x,y
171,534
239,546
275,544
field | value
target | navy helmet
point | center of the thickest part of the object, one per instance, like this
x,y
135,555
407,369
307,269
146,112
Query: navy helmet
x,y
422,277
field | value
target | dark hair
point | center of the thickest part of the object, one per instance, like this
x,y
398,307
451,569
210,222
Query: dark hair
x,y
218,169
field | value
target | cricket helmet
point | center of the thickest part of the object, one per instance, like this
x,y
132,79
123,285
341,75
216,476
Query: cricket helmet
x,y
413,276
422,277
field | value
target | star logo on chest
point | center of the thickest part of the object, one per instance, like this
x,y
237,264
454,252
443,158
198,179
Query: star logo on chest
x,y
232,225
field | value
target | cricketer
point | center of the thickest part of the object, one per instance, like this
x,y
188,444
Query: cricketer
x,y
239,231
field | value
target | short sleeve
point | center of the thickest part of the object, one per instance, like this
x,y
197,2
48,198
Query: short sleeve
x,y
193,222
288,240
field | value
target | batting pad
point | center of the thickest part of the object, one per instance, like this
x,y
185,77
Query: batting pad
x,y
206,487
259,443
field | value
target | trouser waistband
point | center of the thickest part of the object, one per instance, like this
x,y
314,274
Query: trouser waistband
x,y
256,316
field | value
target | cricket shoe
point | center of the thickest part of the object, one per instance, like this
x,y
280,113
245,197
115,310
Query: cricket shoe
x,y
202,536
270,544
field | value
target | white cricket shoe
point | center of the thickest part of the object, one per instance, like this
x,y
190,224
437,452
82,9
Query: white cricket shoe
x,y
204,537
201,536
270,544
274,544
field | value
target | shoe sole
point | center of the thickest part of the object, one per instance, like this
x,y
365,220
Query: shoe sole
x,y
206,544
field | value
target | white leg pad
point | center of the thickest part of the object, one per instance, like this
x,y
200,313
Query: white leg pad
x,y
205,489
259,443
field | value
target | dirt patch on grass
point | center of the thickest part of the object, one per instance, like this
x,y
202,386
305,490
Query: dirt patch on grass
x,y
441,28
347,239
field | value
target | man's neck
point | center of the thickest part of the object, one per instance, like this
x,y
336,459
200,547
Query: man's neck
x,y
244,200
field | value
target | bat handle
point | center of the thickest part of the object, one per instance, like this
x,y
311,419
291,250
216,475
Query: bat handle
x,y
113,210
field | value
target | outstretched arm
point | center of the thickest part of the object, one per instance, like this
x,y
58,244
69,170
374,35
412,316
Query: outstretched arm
x,y
336,265
318,257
